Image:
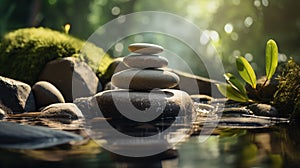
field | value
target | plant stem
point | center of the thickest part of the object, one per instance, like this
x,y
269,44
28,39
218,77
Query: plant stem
x,y
263,85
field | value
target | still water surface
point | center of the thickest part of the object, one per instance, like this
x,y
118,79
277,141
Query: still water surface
x,y
271,147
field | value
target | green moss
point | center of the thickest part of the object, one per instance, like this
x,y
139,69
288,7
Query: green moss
x,y
287,97
24,52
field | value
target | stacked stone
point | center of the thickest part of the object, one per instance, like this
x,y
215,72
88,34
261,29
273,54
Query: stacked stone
x,y
145,90
145,74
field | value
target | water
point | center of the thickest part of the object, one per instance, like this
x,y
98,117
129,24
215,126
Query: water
x,y
240,140
269,147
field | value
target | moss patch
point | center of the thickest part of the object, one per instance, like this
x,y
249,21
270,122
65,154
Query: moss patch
x,y
24,53
287,97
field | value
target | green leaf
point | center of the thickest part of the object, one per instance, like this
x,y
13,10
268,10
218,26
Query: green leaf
x,y
271,58
246,71
235,83
232,94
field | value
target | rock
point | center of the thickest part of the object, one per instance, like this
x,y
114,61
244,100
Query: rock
x,y
145,48
110,86
24,52
68,111
193,84
143,105
16,96
263,110
233,111
117,65
200,98
45,94
145,61
72,77
84,105
144,79
2,114
17,136
267,91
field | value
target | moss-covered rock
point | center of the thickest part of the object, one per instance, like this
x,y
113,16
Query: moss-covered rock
x,y
24,52
287,97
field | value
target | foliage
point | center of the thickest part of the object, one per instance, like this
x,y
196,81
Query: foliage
x,y
271,58
287,97
237,91
246,71
24,52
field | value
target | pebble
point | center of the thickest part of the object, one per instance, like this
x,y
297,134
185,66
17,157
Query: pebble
x,y
67,111
145,48
145,79
145,61
263,110
45,94
2,114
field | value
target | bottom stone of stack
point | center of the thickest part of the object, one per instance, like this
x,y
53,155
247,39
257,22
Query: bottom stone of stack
x,y
165,103
145,113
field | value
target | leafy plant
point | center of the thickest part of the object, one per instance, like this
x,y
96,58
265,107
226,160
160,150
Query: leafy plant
x,y
235,90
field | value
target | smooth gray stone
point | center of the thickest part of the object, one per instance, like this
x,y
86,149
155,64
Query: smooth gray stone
x,y
17,136
15,96
45,94
263,110
67,111
2,114
73,78
145,61
147,79
166,102
145,48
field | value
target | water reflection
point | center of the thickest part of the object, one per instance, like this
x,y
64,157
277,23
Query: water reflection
x,y
276,147
272,147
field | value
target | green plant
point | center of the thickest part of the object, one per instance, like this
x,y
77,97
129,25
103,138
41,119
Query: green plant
x,y
287,96
235,90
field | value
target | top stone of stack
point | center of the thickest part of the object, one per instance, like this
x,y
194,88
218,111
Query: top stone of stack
x,y
145,48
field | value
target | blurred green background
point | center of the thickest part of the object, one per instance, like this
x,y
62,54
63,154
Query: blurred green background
x,y
235,27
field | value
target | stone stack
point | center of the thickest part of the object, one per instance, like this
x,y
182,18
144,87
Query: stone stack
x,y
145,74
145,91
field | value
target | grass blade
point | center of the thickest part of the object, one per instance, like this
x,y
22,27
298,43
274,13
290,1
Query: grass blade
x,y
246,71
231,93
271,58
235,83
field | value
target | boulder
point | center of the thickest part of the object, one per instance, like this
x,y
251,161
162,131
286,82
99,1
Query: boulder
x,y
24,52
16,96
45,94
72,77
122,104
